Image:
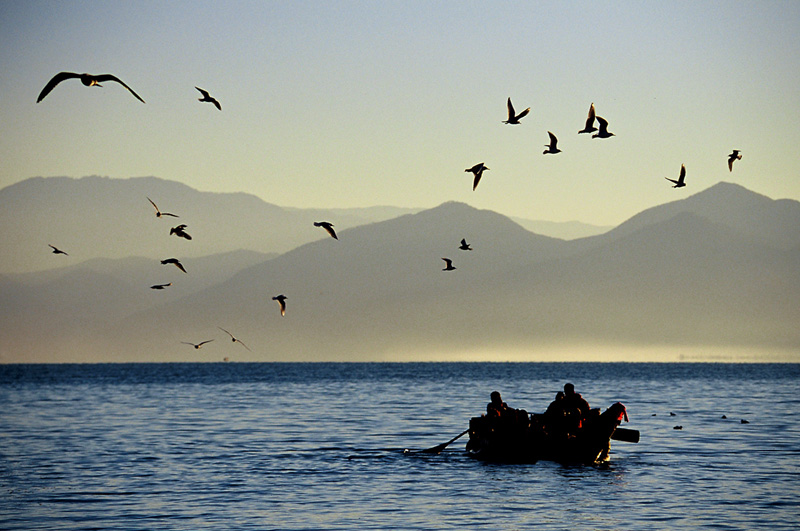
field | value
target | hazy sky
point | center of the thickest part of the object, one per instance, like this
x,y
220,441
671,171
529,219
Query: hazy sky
x,y
346,104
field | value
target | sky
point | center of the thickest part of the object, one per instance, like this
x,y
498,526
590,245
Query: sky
x,y
353,104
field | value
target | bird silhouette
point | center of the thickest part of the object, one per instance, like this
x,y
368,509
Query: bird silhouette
x,y
448,265
680,182
513,119
161,286
589,127
197,345
174,261
464,245
736,155
89,80
208,98
328,227
158,212
234,339
56,250
551,147
179,232
477,170
282,301
603,131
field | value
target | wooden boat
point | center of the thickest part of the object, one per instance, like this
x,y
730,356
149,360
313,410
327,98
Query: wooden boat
x,y
520,438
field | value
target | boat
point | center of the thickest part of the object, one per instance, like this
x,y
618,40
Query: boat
x,y
521,438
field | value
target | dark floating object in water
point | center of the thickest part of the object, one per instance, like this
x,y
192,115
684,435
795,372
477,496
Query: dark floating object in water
x,y
282,301
208,98
328,227
56,250
681,179
464,245
174,261
161,286
551,147
677,427
477,170
589,127
603,131
513,119
158,212
671,414
736,155
198,345
743,421
448,265
89,80
724,416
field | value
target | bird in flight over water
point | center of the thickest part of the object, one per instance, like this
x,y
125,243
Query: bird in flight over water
x,y
89,80
234,339
464,245
197,345
328,227
174,261
513,119
208,98
736,155
448,265
551,147
56,250
158,212
161,286
680,182
589,127
282,301
477,170
179,232
603,132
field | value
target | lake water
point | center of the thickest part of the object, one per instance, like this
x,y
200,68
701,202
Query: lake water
x,y
238,446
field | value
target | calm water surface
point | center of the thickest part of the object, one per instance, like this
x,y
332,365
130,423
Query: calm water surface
x,y
320,446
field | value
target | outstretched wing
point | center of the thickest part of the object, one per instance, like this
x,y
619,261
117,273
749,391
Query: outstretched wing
x,y
683,174
510,110
109,77
524,113
58,78
204,92
553,140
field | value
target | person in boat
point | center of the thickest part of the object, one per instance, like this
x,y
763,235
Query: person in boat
x,y
497,408
573,400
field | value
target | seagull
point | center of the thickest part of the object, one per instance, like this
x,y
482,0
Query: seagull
x,y
551,148
208,98
736,155
233,339
328,227
448,265
478,170
89,80
161,286
173,261
603,132
464,245
158,212
282,301
513,119
198,345
589,127
56,250
178,231
680,182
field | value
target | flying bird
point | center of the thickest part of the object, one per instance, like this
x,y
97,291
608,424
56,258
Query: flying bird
x,y
477,170
179,232
158,212
603,132
551,147
736,155
161,286
328,227
448,265
282,301
208,98
173,261
198,345
680,182
56,250
89,80
464,245
234,339
513,119
589,127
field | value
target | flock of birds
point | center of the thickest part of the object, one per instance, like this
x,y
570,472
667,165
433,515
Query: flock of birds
x,y
513,118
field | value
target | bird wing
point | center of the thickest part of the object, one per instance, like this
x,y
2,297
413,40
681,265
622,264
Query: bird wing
x,y
154,205
203,92
553,140
328,227
603,123
683,174
220,326
730,162
204,342
178,265
590,117
477,179
58,78
110,77
510,110
523,113
216,104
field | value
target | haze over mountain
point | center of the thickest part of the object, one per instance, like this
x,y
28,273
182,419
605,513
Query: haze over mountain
x,y
717,274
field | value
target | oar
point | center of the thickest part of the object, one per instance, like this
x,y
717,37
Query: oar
x,y
626,435
439,447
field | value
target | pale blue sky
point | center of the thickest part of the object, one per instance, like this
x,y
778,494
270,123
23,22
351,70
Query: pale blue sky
x,y
346,104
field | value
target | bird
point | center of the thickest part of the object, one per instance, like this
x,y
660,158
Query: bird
x,y
464,245
198,345
173,261
234,339
478,170
448,265
589,127
158,212
328,227
282,301
603,132
677,427
161,286
744,421
551,147
90,80
178,231
56,250
513,119
680,182
736,155
208,98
